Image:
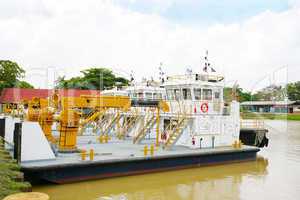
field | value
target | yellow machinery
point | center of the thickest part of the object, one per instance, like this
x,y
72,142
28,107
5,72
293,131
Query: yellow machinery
x,y
70,116
93,116
68,128
7,108
34,107
39,111
46,121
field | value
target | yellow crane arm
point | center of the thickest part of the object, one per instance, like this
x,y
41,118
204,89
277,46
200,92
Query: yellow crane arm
x,y
96,102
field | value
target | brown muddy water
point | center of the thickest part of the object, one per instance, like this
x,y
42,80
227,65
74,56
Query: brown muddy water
x,y
274,175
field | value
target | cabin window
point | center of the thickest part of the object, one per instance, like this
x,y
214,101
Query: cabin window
x,y
148,95
197,93
207,94
177,94
157,96
186,93
217,95
140,95
170,94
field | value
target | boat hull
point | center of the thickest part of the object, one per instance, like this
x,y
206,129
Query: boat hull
x,y
97,170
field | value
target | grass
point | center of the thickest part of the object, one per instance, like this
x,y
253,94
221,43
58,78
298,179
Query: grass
x,y
271,116
11,179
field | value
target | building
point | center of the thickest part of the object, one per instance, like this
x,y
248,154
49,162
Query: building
x,y
271,106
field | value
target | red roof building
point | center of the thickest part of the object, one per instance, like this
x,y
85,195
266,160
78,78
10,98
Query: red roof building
x,y
17,95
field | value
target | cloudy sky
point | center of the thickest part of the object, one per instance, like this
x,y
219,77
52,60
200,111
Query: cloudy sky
x,y
253,42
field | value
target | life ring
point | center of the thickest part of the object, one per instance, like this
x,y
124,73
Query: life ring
x,y
204,107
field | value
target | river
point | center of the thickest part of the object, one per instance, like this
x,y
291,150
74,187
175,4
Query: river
x,y
274,175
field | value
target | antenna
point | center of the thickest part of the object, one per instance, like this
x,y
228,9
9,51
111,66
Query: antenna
x,y
207,63
161,73
131,77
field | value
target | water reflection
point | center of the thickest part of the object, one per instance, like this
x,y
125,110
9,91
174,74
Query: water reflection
x,y
214,182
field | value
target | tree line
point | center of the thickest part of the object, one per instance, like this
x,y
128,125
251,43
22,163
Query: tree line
x,y
290,91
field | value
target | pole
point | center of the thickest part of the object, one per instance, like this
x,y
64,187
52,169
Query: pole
x,y
17,141
2,128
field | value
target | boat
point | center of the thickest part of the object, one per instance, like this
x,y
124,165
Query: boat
x,y
179,122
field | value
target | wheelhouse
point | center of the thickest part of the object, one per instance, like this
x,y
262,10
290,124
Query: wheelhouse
x,y
198,93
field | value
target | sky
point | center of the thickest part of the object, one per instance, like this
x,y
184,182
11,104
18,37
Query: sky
x,y
251,42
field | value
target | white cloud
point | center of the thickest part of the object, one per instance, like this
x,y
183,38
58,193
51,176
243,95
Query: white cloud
x,y
72,35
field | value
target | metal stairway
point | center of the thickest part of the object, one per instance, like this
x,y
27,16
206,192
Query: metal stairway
x,y
143,131
93,116
129,124
176,132
116,118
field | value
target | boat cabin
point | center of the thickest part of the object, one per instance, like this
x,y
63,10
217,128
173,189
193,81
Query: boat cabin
x,y
146,90
198,93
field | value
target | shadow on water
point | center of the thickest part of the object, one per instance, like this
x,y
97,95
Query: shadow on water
x,y
210,182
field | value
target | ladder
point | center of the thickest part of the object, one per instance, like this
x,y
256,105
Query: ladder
x,y
143,131
176,132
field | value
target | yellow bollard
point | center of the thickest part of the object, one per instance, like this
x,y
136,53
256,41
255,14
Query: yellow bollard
x,y
234,145
152,149
83,154
101,139
240,144
106,139
92,154
145,150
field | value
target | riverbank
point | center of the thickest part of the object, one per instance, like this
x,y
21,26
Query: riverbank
x,y
271,116
11,179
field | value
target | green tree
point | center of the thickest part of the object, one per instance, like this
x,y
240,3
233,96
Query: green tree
x,y
241,94
93,78
10,73
270,93
293,91
23,84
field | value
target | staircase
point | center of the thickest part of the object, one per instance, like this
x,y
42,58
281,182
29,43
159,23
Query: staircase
x,y
111,123
129,124
143,131
176,132
90,118
101,123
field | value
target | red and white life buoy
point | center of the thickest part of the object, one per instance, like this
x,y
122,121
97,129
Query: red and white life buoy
x,y
204,107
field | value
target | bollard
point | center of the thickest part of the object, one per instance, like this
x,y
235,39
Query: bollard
x,y
92,154
235,144
152,149
83,154
240,144
106,139
145,150
101,139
